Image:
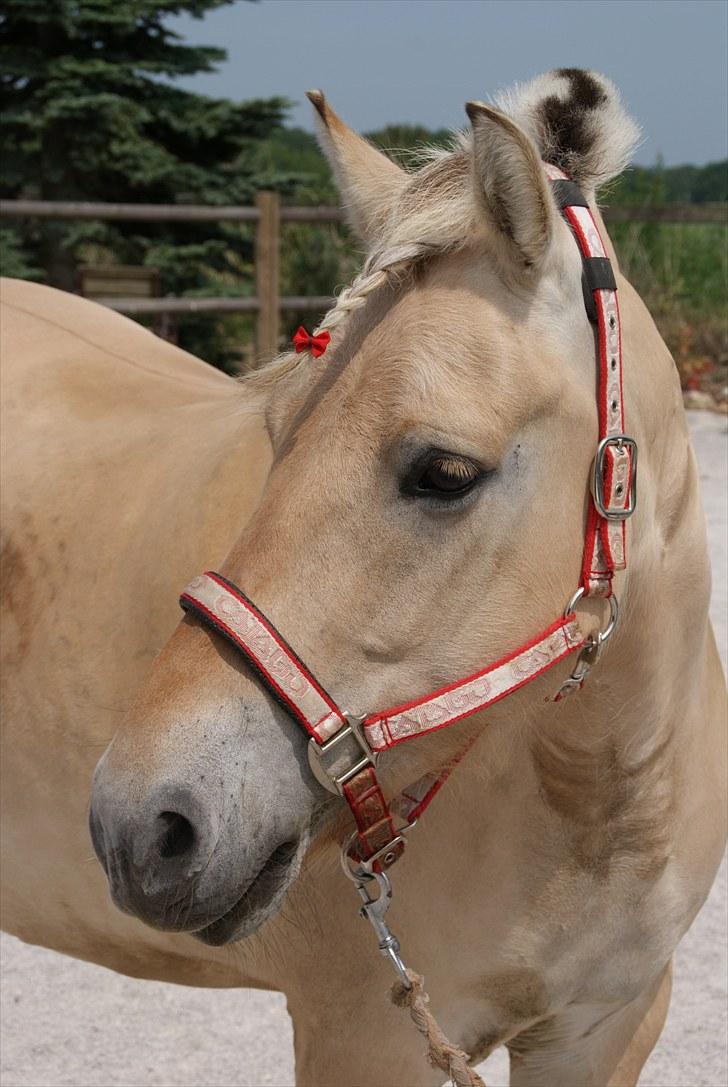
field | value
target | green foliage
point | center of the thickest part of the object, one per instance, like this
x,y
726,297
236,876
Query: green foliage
x,y
13,259
672,185
681,272
90,114
292,155
680,269
676,263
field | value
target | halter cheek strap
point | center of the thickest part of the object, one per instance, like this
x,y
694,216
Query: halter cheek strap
x,y
344,748
613,483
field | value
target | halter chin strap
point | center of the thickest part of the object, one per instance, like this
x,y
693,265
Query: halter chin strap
x,y
344,748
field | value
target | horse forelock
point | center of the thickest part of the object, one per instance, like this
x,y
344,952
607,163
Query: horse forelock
x,y
575,119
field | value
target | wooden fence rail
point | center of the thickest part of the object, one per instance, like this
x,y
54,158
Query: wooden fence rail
x,y
180,213
314,302
268,215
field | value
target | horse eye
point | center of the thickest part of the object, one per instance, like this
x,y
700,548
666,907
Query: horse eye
x,y
446,476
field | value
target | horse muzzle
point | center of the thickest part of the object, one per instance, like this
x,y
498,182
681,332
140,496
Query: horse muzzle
x,y
198,845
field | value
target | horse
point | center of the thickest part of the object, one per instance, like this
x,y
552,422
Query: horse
x,y
404,499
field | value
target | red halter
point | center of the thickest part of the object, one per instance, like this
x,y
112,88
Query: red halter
x,y
343,748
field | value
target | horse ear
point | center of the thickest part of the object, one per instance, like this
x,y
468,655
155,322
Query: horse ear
x,y
368,181
510,179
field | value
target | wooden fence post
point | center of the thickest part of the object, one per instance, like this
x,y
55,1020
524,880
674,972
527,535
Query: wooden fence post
x,y
266,274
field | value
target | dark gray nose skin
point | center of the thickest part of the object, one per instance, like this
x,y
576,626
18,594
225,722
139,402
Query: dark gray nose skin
x,y
153,856
186,822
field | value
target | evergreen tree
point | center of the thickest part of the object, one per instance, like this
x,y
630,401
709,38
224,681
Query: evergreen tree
x,y
91,113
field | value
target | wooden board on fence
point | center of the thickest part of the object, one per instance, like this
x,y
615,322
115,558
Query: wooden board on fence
x,y
113,280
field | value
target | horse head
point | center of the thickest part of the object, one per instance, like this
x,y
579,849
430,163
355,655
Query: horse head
x,y
424,512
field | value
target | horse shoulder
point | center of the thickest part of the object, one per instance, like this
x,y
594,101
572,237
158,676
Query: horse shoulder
x,y
129,464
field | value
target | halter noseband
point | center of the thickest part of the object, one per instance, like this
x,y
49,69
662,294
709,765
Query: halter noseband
x,y
344,748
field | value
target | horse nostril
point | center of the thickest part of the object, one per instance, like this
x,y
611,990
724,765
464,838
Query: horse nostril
x,y
177,835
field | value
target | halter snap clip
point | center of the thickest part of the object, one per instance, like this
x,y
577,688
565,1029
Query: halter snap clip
x,y
374,909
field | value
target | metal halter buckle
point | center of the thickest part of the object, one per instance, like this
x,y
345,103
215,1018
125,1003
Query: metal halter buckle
x,y
592,647
341,758
597,481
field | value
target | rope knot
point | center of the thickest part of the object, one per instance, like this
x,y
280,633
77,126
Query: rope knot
x,y
441,1053
403,997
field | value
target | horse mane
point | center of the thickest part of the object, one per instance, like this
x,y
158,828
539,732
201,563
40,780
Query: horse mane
x,y
577,122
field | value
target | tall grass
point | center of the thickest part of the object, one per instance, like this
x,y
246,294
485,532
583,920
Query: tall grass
x,y
681,272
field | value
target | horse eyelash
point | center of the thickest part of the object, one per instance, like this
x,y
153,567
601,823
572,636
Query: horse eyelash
x,y
456,467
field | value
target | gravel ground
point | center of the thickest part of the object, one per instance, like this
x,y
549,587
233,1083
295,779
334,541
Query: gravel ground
x,y
68,1024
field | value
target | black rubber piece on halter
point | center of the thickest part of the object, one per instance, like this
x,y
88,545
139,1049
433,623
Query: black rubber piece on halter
x,y
568,194
596,273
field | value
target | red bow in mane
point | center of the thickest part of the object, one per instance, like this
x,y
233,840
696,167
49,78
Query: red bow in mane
x,y
303,341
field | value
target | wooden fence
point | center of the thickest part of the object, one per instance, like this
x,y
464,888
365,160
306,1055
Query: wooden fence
x,y
268,215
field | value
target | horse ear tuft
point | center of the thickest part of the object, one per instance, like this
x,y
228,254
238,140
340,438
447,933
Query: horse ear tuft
x,y
510,182
577,121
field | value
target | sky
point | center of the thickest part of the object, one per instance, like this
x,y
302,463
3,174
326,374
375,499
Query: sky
x,y
419,61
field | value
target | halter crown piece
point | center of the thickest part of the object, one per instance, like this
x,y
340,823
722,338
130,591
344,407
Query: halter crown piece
x,y
344,747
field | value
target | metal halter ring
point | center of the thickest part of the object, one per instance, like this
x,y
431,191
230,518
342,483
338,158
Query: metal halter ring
x,y
602,635
364,869
591,648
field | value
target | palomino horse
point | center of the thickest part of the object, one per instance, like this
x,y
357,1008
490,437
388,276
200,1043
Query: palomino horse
x,y
405,508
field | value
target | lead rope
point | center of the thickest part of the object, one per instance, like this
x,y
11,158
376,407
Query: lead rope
x,y
441,1053
409,991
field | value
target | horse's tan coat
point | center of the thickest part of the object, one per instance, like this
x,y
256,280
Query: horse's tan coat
x,y
544,893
